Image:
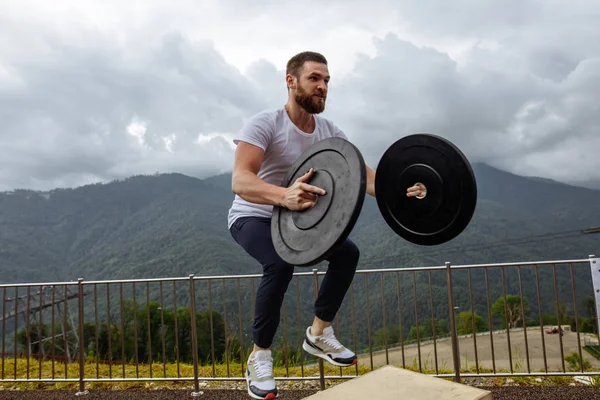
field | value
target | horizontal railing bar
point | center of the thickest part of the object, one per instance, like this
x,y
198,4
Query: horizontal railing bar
x,y
443,267
24,380
37,284
523,264
220,277
185,279
111,281
407,269
585,261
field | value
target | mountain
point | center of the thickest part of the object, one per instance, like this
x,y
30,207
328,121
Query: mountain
x,y
591,184
174,225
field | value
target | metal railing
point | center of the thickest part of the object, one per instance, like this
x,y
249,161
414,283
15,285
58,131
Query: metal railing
x,y
508,319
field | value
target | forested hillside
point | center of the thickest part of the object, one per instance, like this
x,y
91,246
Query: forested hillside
x,y
172,225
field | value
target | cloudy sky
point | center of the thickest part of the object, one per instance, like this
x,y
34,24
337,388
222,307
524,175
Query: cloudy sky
x,y
92,92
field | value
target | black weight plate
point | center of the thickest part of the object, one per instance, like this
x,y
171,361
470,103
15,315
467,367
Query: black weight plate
x,y
451,197
306,237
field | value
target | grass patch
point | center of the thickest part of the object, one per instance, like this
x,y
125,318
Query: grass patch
x,y
206,373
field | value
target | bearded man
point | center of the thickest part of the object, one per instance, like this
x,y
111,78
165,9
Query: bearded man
x,y
267,146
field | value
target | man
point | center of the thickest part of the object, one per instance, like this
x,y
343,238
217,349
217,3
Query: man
x,y
267,146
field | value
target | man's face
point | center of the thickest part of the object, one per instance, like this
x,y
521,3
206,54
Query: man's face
x,y
311,92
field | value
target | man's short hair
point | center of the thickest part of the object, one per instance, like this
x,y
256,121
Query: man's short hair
x,y
297,62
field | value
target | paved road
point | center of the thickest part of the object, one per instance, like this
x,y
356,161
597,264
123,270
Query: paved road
x,y
484,352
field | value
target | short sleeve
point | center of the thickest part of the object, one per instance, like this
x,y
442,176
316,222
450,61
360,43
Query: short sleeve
x,y
339,133
257,131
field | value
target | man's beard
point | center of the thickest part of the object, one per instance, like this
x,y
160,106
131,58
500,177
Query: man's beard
x,y
306,101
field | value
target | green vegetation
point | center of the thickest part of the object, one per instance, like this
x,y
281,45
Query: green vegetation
x,y
594,350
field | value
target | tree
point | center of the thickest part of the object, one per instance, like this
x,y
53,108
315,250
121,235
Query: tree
x,y
511,312
563,314
393,336
441,327
465,323
413,332
590,306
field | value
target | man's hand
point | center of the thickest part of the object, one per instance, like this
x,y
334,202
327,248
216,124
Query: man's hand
x,y
301,195
419,190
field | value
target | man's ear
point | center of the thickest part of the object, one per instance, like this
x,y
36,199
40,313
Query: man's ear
x,y
291,81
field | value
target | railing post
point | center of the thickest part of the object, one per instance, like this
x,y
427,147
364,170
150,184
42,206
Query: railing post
x,y
595,269
321,368
82,390
196,391
455,352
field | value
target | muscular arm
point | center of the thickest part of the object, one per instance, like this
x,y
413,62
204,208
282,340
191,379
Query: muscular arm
x,y
245,182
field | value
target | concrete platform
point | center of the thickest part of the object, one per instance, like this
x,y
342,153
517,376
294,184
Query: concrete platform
x,y
395,383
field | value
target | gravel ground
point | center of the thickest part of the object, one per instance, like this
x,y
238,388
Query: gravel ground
x,y
498,393
544,392
145,395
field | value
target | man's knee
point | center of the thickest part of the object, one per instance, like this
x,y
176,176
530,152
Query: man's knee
x,y
353,251
346,255
350,252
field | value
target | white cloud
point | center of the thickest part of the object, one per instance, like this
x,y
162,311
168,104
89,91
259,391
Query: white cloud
x,y
138,130
92,91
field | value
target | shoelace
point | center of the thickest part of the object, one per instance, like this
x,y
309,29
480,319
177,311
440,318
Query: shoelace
x,y
331,340
263,368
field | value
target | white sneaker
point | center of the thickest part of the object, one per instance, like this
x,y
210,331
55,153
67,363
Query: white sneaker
x,y
328,348
259,376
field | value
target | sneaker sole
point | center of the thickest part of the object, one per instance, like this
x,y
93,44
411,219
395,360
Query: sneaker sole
x,y
317,353
270,396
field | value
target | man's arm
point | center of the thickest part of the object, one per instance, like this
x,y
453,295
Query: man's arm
x,y
370,181
413,191
245,182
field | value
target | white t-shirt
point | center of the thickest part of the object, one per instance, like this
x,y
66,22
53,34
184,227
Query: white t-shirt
x,y
283,143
